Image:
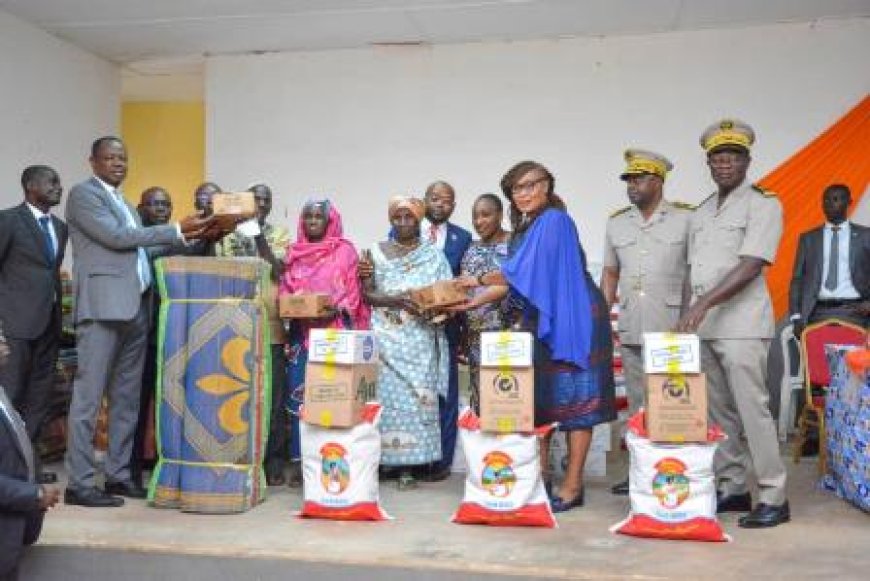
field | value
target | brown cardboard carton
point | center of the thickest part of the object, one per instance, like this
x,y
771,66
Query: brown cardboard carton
x,y
239,205
444,293
676,407
507,399
304,306
335,393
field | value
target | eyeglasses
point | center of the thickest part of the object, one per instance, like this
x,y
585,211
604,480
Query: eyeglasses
x,y
524,187
159,203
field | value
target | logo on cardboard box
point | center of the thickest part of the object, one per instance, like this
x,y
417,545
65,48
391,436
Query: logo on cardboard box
x,y
366,390
506,385
675,389
368,348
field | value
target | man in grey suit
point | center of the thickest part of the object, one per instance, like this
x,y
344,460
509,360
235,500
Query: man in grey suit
x,y
113,282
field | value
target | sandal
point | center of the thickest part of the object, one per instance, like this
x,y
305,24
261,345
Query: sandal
x,y
407,480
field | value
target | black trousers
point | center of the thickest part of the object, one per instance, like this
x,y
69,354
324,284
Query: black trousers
x,y
146,398
28,375
277,445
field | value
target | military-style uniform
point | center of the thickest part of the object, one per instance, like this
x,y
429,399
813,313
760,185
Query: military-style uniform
x,y
736,334
651,256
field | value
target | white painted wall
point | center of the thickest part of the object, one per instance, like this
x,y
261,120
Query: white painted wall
x,y
361,125
55,99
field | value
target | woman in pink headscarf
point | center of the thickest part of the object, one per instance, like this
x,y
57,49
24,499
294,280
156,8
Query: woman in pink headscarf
x,y
320,261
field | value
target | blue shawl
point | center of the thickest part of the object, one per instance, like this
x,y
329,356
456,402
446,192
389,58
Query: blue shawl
x,y
547,270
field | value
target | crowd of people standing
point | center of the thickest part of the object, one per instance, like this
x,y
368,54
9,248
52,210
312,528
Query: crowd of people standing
x,y
668,265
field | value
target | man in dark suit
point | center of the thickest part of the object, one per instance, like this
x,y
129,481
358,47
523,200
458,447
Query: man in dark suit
x,y
113,285
831,276
23,501
453,240
32,244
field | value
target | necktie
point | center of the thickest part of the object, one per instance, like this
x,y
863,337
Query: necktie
x,y
142,266
833,260
433,233
50,252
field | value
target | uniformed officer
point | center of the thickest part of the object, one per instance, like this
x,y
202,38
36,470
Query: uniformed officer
x,y
645,257
733,236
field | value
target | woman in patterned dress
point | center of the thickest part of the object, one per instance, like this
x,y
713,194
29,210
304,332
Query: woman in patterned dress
x,y
414,353
487,310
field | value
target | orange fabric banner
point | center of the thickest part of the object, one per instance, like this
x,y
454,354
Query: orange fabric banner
x,y
839,155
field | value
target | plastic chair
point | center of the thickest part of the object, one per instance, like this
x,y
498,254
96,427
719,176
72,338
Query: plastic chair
x,y
817,374
792,380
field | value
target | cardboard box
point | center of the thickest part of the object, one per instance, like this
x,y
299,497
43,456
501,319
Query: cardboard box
x,y
335,395
304,306
343,347
239,205
506,349
671,353
507,399
676,408
444,293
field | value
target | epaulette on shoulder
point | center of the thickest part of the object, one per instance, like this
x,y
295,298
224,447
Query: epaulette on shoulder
x,y
763,192
620,211
684,206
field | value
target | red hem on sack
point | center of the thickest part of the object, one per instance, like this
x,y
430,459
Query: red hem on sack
x,y
530,515
696,529
370,511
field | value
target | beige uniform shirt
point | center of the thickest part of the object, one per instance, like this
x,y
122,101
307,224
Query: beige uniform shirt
x,y
749,223
651,257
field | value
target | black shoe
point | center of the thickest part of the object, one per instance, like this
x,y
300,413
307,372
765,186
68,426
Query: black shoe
x,y
129,489
620,489
558,504
93,497
46,478
733,502
433,474
294,480
765,516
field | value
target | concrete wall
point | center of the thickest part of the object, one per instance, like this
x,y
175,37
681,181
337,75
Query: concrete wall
x,y
361,125
55,99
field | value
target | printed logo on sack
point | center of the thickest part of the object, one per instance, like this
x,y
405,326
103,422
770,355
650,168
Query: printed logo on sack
x,y
498,476
506,385
334,469
670,484
368,348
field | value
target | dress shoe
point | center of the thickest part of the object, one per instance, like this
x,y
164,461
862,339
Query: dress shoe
x,y
295,478
558,504
765,515
620,489
733,502
129,489
92,497
46,478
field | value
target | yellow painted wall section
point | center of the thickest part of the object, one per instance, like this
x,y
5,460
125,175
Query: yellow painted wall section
x,y
166,148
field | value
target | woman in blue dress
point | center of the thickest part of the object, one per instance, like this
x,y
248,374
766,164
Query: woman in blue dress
x,y
564,309
414,353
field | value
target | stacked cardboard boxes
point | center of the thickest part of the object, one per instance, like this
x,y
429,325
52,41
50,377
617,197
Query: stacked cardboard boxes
x,y
676,390
507,382
340,377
